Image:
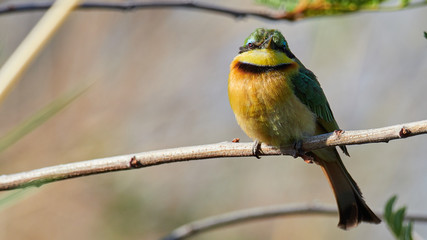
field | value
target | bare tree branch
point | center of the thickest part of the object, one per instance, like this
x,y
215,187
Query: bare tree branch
x,y
128,6
41,176
251,214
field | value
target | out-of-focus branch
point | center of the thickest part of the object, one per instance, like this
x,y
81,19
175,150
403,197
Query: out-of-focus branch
x,y
132,5
220,150
128,6
241,216
21,58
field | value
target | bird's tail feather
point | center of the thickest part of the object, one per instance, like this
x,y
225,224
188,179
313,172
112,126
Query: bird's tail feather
x,y
352,208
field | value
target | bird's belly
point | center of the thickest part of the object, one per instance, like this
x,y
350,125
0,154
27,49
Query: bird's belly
x,y
267,110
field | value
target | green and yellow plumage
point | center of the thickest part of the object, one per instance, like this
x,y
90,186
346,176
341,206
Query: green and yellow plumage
x,y
277,101
266,115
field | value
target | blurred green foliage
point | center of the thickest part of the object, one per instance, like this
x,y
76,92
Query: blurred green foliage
x,y
306,8
39,118
28,125
394,220
12,197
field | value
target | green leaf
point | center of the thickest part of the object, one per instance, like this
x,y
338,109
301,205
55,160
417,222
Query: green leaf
x,y
388,211
425,35
395,220
39,118
398,220
407,234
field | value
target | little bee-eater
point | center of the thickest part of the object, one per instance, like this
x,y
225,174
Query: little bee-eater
x,y
278,101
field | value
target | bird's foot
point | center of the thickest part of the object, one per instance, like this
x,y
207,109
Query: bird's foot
x,y
256,149
299,152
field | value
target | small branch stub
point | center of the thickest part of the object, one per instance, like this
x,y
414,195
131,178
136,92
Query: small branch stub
x,y
338,133
404,132
134,163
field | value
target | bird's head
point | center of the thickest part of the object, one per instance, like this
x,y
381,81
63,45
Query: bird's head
x,y
263,38
266,47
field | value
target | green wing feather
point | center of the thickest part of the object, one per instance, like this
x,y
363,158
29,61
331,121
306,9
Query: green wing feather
x,y
308,90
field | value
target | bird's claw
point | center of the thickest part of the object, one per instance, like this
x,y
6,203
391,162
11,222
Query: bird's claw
x,y
256,149
299,152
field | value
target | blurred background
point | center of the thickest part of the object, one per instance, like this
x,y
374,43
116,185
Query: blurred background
x,y
161,82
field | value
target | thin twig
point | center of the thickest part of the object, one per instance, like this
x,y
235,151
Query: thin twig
x,y
251,214
41,176
128,6
33,43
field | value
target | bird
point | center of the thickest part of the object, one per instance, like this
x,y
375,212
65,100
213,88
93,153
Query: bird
x,y
277,101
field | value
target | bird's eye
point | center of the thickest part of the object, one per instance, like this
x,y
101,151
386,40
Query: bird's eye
x,y
251,45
